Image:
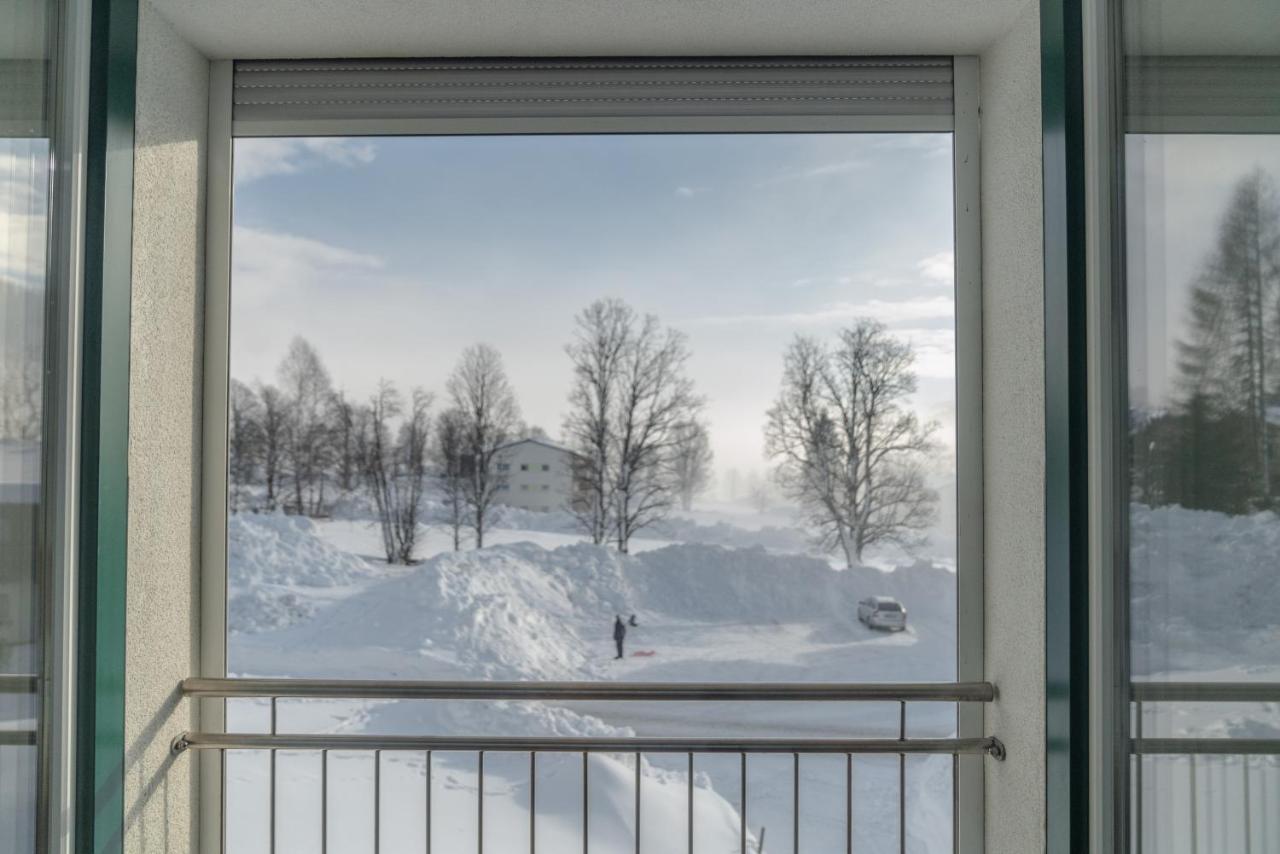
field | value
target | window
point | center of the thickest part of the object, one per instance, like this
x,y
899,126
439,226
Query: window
x,y
1200,480
493,253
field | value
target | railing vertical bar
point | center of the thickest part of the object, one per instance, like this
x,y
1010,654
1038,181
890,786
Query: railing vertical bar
x,y
637,803
271,846
324,802
479,802
377,801
533,801
742,824
1137,781
1195,809
1248,818
795,803
955,801
586,828
690,793
848,803
428,801
902,780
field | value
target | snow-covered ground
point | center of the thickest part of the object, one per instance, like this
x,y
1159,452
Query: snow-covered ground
x,y
313,598
721,594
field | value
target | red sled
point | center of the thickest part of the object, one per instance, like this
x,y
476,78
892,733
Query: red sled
x,y
643,653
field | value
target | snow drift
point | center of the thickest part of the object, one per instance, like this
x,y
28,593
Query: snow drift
x,y
269,558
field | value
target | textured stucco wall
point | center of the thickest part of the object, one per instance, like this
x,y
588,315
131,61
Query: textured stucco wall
x,y
1013,413
164,434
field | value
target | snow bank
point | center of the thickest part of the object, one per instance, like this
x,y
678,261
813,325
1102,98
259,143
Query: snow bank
x,y
271,560
1205,590
522,611
699,582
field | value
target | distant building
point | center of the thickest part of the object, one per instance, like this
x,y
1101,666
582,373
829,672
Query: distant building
x,y
538,475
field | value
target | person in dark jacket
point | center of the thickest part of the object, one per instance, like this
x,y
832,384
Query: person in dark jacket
x,y
619,633
633,622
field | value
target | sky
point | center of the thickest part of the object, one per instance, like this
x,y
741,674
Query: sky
x,y
393,254
1177,189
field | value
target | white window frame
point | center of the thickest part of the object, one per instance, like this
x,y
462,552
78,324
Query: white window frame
x,y
964,124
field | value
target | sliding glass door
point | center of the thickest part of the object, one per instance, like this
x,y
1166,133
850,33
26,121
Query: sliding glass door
x,y
25,149
1201,231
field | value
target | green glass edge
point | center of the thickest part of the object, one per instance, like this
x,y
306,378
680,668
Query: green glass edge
x,y
99,819
1066,430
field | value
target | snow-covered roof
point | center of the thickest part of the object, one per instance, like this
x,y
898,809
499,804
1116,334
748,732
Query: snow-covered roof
x,y
546,443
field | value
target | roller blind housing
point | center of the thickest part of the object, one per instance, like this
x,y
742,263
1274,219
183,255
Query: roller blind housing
x,y
269,96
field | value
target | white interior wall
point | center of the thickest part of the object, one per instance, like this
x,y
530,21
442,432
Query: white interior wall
x,y
1013,413
165,418
164,434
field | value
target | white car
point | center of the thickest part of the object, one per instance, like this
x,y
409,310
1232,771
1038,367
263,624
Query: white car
x,y
882,612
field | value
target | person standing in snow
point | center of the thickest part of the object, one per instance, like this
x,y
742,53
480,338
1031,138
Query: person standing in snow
x,y
619,633
633,622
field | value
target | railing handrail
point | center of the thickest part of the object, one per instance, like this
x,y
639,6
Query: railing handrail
x,y
578,744
1204,746
1205,692
382,689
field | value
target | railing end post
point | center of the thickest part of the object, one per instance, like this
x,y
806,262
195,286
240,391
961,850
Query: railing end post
x,y
995,749
180,743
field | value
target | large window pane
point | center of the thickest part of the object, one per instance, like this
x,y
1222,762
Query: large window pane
x,y
1202,221
496,401
24,193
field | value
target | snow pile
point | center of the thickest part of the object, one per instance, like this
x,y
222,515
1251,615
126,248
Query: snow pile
x,y
505,612
1205,589
271,560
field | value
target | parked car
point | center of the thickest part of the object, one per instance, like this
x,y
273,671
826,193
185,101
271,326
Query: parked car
x,y
882,612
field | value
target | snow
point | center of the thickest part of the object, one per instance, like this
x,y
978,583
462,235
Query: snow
x,y
1205,593
278,570
312,598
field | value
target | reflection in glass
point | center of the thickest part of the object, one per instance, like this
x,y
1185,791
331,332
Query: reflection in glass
x,y
24,193
1202,236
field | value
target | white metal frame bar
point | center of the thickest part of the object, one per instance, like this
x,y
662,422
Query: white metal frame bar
x,y
61,475
213,504
965,124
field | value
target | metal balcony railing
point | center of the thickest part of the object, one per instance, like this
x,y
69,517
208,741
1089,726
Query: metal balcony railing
x,y
1229,798
18,683
427,744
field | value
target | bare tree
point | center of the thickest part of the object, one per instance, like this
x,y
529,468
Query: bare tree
x,y
451,470
244,441
343,429
479,389
601,334
396,467
308,392
691,461
654,398
848,450
274,436
758,492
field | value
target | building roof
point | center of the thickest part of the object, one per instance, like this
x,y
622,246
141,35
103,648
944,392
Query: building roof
x,y
546,443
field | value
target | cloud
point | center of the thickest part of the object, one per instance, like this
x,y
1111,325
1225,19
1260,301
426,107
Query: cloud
x,y
939,268
821,170
892,313
689,192
268,266
24,183
262,158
